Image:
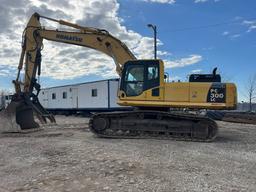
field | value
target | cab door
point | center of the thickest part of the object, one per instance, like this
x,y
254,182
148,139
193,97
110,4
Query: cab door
x,y
141,80
152,82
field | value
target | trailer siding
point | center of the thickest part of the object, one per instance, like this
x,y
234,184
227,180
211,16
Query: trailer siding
x,y
113,94
91,96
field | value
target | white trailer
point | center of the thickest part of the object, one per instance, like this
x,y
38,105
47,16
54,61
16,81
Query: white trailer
x,y
5,100
82,98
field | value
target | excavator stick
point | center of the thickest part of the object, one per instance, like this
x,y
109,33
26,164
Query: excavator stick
x,y
19,115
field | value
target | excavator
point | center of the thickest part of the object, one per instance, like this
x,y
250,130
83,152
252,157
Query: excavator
x,y
144,86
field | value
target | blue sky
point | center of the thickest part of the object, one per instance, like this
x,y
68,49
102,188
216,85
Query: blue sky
x,y
230,47
210,33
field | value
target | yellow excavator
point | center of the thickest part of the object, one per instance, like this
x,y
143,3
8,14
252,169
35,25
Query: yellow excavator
x,y
144,86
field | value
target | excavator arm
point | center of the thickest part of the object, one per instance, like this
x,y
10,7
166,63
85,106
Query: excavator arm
x,y
93,38
25,102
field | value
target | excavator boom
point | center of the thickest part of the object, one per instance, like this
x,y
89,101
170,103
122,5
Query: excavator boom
x,y
98,39
25,103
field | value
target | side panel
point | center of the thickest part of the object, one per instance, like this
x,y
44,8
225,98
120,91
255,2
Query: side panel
x,y
59,101
86,98
81,97
199,92
113,90
43,98
192,95
231,95
178,92
51,104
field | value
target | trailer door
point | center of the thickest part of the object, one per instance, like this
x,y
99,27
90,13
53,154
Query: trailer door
x,y
74,98
44,98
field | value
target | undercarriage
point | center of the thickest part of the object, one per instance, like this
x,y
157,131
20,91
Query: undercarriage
x,y
153,124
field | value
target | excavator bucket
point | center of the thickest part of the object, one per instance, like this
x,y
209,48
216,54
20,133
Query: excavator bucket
x,y
16,117
19,115
25,117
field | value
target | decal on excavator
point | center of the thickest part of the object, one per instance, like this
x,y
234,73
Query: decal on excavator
x,y
217,93
69,37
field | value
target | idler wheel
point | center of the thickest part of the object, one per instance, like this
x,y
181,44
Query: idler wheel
x,y
100,123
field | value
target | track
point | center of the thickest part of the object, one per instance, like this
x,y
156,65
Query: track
x,y
153,124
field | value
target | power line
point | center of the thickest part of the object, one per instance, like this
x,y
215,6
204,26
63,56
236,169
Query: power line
x,y
208,26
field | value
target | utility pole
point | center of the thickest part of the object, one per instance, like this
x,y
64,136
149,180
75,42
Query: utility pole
x,y
154,29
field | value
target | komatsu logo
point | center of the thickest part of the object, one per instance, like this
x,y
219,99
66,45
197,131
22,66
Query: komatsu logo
x,y
69,38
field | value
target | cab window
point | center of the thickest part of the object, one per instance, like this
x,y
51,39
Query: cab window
x,y
152,76
134,79
152,72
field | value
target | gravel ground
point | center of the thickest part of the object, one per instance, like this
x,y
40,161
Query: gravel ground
x,y
67,157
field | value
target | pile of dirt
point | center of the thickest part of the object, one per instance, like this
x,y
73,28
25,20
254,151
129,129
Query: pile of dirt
x,y
235,117
240,117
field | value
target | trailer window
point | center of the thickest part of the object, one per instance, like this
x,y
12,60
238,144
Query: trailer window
x,y
94,92
64,95
53,96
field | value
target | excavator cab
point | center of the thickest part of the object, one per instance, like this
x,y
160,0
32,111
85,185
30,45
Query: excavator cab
x,y
140,75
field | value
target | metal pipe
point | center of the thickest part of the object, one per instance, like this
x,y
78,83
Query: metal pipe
x,y
155,40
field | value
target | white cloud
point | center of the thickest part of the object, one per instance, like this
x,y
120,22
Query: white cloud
x,y
196,71
251,25
200,1
6,71
225,33
208,48
161,1
231,36
61,61
203,1
192,59
235,36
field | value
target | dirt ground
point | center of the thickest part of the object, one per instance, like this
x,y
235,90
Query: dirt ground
x,y
67,157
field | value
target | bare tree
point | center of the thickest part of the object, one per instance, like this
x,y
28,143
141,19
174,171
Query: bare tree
x,y
251,90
